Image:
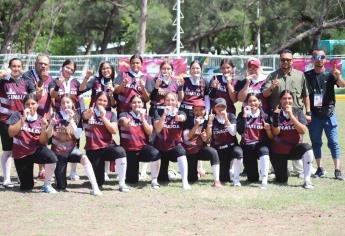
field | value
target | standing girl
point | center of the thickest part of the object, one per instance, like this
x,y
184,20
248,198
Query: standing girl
x,y
130,83
13,89
222,86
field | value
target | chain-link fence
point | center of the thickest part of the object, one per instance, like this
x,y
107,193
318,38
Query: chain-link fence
x,y
84,62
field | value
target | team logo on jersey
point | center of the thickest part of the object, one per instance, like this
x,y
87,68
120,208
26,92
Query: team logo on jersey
x,y
26,128
12,95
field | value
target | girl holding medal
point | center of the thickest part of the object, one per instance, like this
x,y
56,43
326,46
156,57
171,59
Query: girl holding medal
x,y
168,126
65,134
135,129
288,127
255,131
99,125
13,89
30,137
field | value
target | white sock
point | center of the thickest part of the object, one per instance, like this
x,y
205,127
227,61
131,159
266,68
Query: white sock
x,y
264,165
307,158
237,163
6,160
73,168
154,170
215,172
183,167
121,166
49,171
200,165
106,167
144,168
91,176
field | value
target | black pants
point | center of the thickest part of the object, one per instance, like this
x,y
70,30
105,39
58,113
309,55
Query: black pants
x,y
147,154
99,156
251,154
25,165
205,154
279,161
6,140
61,167
170,155
225,157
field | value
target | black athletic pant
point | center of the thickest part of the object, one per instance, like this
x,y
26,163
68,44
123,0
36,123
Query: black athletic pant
x,y
99,156
251,154
225,157
61,166
170,155
147,154
205,154
279,161
25,165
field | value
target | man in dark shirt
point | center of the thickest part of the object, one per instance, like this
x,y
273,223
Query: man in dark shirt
x,y
322,103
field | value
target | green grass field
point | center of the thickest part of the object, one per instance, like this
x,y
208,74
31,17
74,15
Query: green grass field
x,y
249,210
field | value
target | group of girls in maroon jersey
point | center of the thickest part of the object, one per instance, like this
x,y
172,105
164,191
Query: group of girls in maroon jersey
x,y
190,119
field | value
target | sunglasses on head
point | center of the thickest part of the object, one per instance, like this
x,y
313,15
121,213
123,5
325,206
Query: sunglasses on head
x,y
318,57
285,59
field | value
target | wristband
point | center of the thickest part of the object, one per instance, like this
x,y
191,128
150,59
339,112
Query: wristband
x,y
56,88
308,113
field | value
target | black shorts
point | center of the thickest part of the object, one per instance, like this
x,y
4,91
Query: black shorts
x,y
6,140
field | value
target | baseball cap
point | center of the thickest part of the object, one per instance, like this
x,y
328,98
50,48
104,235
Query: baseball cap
x,y
220,101
253,62
199,103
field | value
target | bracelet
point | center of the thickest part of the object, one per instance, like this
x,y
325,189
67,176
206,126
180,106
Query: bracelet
x,y
210,126
56,88
308,113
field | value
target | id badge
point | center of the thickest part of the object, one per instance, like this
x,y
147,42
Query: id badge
x,y
318,100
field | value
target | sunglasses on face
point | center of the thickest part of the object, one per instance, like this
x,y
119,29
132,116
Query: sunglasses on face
x,y
285,59
318,57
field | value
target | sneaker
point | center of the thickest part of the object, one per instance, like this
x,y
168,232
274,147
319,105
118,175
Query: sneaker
x,y
172,174
320,172
48,189
74,176
41,175
308,185
96,193
263,186
186,186
106,176
124,189
8,184
236,184
155,185
217,184
338,175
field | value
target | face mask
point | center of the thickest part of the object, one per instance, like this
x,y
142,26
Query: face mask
x,y
286,115
96,111
31,117
200,120
172,111
221,120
